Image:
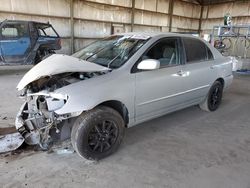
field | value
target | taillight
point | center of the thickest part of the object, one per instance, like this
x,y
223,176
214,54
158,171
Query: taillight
x,y
60,42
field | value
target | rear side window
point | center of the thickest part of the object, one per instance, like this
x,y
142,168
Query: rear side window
x,y
196,50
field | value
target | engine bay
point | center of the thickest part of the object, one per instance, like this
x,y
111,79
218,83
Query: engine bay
x,y
51,83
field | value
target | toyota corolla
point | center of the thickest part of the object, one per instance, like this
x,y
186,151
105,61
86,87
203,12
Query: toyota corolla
x,y
115,83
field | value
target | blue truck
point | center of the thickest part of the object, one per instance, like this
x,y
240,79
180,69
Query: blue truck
x,y
26,42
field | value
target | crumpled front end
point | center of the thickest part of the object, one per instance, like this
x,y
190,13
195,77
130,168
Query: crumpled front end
x,y
37,120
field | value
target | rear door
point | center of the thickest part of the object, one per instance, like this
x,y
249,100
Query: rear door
x,y
14,42
199,66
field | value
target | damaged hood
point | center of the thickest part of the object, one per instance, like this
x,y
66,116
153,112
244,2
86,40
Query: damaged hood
x,y
56,64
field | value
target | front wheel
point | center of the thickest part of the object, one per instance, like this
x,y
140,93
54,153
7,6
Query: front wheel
x,y
213,99
97,133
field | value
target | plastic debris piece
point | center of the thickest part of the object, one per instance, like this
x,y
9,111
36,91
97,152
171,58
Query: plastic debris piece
x,y
10,142
64,151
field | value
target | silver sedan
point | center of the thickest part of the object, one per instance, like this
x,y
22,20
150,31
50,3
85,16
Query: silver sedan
x,y
116,83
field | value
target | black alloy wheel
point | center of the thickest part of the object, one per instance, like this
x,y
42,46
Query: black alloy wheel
x,y
97,133
103,136
215,96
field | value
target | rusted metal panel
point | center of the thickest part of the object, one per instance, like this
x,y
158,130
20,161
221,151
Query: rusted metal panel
x,y
185,23
146,4
79,43
148,18
146,29
163,6
65,46
91,29
93,11
46,7
186,9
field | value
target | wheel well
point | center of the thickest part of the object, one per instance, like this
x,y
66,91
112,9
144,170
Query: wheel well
x,y
119,107
221,80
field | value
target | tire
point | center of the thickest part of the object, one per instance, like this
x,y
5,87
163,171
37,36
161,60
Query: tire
x,y
213,99
97,133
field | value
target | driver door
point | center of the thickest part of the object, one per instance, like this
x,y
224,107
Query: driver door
x,y
162,90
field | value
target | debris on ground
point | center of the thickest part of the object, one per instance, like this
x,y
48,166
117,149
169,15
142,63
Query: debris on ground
x,y
64,151
10,142
64,147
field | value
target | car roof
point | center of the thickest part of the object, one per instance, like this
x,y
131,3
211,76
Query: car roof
x,y
157,34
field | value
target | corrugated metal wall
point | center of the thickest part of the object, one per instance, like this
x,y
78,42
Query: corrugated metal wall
x,y
97,18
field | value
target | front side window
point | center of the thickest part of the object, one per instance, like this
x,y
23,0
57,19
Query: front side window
x,y
113,51
196,50
166,51
13,31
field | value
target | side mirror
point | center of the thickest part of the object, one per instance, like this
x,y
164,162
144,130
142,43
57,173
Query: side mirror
x,y
149,64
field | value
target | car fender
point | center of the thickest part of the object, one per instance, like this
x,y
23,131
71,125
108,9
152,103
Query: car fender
x,y
223,67
87,94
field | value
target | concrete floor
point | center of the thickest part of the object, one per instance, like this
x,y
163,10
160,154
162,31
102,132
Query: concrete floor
x,y
189,148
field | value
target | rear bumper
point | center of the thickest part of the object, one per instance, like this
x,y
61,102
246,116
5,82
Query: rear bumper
x,y
228,81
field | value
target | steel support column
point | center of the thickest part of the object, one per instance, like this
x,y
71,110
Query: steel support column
x,y
72,26
200,21
170,12
132,15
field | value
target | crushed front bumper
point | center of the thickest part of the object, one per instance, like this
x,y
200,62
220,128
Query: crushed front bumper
x,y
30,135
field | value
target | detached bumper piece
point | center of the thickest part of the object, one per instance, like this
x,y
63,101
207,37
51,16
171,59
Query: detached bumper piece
x,y
10,142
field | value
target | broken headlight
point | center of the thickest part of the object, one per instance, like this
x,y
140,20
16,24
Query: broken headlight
x,y
52,101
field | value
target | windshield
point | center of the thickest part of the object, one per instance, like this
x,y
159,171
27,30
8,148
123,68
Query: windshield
x,y
113,51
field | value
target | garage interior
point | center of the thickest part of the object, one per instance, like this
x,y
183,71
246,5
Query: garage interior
x,y
187,148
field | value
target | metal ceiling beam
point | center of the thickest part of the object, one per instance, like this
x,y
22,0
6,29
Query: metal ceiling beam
x,y
214,2
199,1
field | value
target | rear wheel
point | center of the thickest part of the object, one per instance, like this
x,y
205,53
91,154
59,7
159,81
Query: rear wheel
x,y
98,133
213,99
